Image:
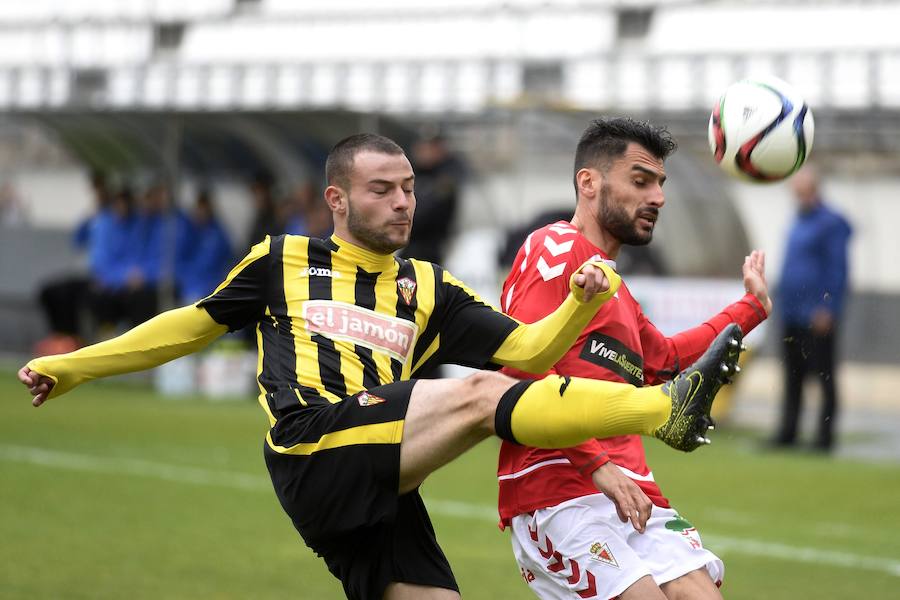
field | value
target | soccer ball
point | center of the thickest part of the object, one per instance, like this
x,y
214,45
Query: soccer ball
x,y
760,130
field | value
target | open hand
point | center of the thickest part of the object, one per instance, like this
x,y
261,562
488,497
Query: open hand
x,y
39,385
755,278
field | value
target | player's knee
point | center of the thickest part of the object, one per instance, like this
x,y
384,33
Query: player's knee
x,y
482,393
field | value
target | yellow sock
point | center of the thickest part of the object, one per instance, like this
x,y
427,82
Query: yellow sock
x,y
559,412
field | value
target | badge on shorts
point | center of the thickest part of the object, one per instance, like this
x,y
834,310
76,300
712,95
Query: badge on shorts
x,y
687,531
601,552
407,288
367,399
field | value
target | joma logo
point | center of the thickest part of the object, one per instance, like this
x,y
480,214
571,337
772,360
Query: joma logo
x,y
318,272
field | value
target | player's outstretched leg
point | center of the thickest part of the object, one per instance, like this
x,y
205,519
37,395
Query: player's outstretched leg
x,y
693,390
558,412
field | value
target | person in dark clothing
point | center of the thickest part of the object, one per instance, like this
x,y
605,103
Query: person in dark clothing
x,y
812,291
438,177
266,220
64,299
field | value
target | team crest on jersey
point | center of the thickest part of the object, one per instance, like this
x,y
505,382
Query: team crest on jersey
x,y
687,531
367,399
601,553
407,289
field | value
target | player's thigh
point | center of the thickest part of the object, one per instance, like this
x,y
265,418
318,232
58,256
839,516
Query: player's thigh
x,y
445,418
696,585
409,591
575,551
672,549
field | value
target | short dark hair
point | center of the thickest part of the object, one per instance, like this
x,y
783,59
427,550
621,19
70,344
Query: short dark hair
x,y
339,163
605,139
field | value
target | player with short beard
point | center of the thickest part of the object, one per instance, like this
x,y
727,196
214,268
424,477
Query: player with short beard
x,y
574,512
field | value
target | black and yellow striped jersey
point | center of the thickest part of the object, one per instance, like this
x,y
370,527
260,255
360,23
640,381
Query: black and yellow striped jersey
x,y
333,319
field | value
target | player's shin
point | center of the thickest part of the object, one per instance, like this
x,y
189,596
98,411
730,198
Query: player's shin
x,y
558,412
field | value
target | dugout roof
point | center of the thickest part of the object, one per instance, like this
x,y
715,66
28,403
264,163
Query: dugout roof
x,y
208,144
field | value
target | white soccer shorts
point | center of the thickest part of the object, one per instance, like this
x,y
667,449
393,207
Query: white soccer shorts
x,y
580,549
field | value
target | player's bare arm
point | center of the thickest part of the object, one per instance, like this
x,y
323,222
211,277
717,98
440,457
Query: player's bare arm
x,y
163,338
754,271
537,346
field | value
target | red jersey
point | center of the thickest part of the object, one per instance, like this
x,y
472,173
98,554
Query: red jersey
x,y
619,344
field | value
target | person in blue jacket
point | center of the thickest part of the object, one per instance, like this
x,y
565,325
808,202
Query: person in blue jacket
x,y
209,255
812,291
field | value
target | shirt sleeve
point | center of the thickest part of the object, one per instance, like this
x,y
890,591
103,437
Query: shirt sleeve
x,y
834,275
471,329
242,298
665,356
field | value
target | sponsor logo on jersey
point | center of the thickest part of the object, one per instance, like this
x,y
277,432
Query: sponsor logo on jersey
x,y
367,328
319,272
610,353
687,531
407,289
601,553
367,399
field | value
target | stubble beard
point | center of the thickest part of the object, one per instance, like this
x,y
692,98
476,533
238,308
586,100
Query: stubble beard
x,y
619,223
373,238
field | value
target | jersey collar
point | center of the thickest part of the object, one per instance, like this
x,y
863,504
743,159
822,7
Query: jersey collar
x,y
368,260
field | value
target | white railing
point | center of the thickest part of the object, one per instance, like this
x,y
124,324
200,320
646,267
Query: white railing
x,y
852,80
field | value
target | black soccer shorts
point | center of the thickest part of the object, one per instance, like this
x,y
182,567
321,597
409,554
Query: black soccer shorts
x,y
337,477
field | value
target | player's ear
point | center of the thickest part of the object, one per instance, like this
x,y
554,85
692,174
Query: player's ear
x,y
336,199
588,181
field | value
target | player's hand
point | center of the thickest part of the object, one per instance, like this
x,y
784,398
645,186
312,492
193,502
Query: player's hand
x,y
592,280
755,278
39,385
631,502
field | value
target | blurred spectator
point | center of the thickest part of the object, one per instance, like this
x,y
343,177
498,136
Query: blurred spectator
x,y
438,179
111,252
12,210
133,252
811,299
162,240
208,255
306,212
265,213
63,300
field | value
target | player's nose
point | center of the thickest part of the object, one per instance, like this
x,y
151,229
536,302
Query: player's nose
x,y
400,201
